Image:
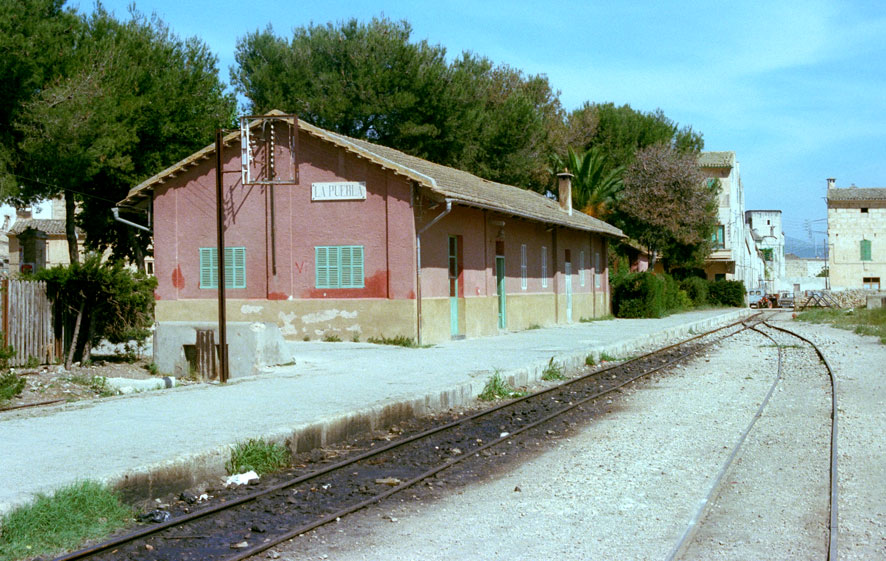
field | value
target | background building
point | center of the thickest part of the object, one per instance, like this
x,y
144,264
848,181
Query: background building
x,y
735,255
767,233
856,236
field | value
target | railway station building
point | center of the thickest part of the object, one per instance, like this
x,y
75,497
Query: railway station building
x,y
364,242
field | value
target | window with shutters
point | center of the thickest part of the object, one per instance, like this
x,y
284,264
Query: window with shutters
x,y
235,267
865,250
338,266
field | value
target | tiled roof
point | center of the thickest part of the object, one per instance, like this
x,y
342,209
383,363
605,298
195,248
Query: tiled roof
x,y
857,194
716,159
448,183
50,226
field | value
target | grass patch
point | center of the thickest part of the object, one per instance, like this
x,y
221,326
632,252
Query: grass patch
x,y
257,455
606,357
533,326
399,341
10,386
601,318
98,384
497,388
589,361
333,338
862,321
553,372
52,524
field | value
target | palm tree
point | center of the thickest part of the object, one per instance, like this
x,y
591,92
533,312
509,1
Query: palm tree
x,y
594,190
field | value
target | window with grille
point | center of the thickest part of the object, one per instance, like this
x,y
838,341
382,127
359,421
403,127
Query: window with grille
x,y
524,273
235,267
865,250
598,273
338,266
544,266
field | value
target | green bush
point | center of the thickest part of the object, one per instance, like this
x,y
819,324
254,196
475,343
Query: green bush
x,y
696,289
727,293
639,295
111,301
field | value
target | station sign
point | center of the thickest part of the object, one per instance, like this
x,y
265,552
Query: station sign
x,y
338,191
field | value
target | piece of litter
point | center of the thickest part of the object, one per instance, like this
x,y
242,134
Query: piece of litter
x,y
392,481
241,478
240,545
504,434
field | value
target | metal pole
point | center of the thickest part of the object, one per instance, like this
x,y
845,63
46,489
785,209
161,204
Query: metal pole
x,y
220,230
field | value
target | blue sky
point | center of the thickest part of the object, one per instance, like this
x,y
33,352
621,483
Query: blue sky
x,y
796,89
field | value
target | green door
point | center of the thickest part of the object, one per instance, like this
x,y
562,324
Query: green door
x,y
500,286
453,285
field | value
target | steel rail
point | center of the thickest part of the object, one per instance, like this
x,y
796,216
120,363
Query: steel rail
x,y
692,527
689,533
154,529
460,458
833,527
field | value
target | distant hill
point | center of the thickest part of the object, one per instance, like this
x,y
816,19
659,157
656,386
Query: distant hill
x,y
803,248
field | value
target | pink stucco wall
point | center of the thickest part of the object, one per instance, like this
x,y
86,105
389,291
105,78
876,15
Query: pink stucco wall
x,y
479,231
185,221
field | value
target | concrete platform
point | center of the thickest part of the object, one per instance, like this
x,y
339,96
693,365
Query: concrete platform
x,y
168,440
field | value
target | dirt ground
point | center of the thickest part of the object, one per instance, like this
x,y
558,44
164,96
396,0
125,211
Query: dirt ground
x,y
53,383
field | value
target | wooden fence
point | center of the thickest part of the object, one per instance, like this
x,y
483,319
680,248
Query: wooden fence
x,y
27,322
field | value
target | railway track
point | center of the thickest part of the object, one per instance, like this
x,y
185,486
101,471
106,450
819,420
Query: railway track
x,y
247,525
803,392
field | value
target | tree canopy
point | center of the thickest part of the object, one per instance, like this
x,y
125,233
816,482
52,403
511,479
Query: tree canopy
x,y
667,206
367,80
123,99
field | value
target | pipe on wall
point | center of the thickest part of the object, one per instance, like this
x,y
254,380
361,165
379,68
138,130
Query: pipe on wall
x,y
418,266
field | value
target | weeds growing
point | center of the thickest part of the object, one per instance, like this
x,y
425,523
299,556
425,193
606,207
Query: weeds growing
x,y
862,321
552,372
601,318
62,521
257,455
497,388
589,361
606,357
333,338
10,386
399,341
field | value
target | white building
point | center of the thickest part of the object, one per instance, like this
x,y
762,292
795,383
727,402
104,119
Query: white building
x,y
735,255
765,226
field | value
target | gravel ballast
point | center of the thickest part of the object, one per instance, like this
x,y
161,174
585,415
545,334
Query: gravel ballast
x,y
626,485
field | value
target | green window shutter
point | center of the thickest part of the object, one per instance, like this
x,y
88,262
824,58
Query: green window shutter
x,y
865,250
235,267
208,267
338,266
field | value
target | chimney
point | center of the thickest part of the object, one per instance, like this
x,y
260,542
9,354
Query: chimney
x,y
831,182
564,190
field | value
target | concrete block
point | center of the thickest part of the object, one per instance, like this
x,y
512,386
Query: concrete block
x,y
252,347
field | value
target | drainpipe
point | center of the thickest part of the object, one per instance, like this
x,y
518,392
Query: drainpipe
x,y
418,265
116,212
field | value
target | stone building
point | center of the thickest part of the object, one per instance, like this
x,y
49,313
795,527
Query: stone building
x,y
38,243
856,236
